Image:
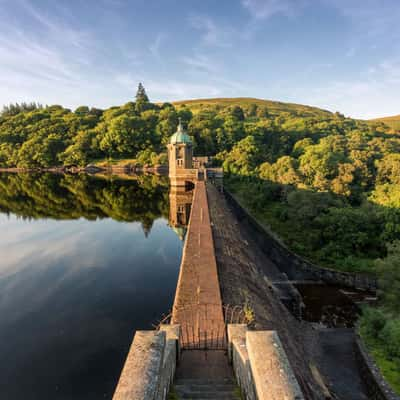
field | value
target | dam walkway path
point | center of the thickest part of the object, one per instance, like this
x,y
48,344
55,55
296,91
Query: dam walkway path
x,y
204,370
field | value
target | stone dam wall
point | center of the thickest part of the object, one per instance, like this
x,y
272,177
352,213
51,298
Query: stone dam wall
x,y
294,266
377,387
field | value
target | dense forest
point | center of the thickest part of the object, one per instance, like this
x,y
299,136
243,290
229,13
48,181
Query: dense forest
x,y
327,185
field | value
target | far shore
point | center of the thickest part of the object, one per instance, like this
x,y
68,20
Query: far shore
x,y
93,169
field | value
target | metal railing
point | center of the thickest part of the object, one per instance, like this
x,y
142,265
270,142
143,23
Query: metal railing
x,y
202,327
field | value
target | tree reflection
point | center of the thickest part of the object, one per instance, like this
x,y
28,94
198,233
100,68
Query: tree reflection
x,y
62,197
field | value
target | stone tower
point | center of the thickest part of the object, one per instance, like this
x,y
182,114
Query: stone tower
x,y
180,153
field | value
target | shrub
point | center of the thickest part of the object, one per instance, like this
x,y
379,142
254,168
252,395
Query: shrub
x,y
390,335
372,322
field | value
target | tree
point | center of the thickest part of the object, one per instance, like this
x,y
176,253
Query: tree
x,y
320,162
284,171
350,231
237,112
85,147
388,169
386,195
141,96
389,279
244,158
82,111
40,151
14,109
342,183
252,110
168,120
119,139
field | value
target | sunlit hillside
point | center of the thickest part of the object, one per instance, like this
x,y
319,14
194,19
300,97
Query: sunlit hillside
x,y
274,107
393,122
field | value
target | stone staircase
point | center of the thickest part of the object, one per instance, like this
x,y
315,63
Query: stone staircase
x,y
202,389
202,375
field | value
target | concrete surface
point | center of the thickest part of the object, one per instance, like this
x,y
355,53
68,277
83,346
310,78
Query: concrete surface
x,y
141,373
272,374
198,305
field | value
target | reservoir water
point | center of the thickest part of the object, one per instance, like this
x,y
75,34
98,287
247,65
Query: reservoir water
x,y
84,262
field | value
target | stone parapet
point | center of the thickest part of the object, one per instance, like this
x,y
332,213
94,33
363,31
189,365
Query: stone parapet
x,y
272,374
377,387
239,357
171,355
150,365
261,366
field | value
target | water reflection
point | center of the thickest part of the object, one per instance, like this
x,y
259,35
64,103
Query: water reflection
x,y
84,262
180,201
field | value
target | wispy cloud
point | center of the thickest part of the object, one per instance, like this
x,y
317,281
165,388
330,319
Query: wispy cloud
x,y
262,9
201,62
213,34
125,80
46,55
156,45
351,51
374,94
56,28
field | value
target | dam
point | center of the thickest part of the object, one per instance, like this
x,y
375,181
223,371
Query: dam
x,y
204,348
236,327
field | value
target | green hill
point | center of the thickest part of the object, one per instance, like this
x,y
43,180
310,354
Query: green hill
x,y
393,122
273,107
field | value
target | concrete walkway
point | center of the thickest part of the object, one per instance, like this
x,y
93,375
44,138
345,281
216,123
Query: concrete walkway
x,y
198,305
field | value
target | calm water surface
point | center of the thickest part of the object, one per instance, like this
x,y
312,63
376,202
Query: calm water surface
x,y
84,262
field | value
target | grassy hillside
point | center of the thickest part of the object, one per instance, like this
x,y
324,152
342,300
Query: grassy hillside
x,y
393,122
274,107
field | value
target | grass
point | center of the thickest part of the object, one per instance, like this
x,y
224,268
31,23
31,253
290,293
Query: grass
x,y
238,393
274,107
392,122
172,395
388,368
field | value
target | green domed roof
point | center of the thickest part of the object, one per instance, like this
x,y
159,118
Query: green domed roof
x,y
180,136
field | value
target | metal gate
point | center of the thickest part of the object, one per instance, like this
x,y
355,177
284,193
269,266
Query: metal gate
x,y
203,327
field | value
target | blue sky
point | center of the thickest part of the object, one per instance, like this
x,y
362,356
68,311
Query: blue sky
x,y
342,55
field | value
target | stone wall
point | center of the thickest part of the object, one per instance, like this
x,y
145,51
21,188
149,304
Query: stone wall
x,y
239,357
171,355
296,267
377,387
150,365
260,365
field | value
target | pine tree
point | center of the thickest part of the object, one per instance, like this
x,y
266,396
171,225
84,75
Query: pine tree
x,y
141,96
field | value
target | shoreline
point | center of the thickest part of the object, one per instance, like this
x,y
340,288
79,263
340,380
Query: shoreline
x,y
92,169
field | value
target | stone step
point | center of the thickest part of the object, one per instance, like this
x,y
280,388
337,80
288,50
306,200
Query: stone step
x,y
224,381
207,395
198,389
211,397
